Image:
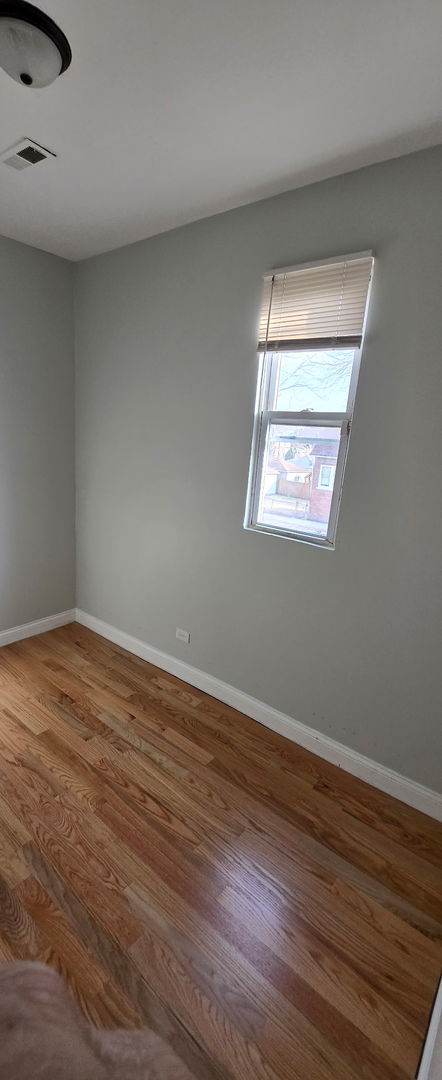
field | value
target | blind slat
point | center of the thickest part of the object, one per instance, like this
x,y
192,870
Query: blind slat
x,y
319,302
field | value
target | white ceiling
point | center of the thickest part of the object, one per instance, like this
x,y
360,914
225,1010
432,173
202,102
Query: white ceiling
x,y
176,109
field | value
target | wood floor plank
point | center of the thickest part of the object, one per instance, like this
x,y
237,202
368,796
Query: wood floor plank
x,y
111,951
207,1020
417,831
110,1008
87,870
225,992
317,894
181,799
12,863
390,863
329,975
373,957
303,803
316,1032
16,926
268,915
68,947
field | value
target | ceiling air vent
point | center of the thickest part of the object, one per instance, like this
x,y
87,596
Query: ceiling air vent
x,y
25,153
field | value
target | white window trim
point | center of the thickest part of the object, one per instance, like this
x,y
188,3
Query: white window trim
x,y
264,417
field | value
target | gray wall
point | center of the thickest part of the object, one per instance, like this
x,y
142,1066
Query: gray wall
x,y
346,641
37,544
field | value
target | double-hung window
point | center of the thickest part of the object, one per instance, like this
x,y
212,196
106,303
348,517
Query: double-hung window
x,y
310,336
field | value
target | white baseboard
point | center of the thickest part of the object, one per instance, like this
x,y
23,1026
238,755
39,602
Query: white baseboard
x,y
430,1067
39,626
400,787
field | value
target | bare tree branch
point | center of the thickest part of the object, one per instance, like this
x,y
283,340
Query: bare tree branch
x,y
320,376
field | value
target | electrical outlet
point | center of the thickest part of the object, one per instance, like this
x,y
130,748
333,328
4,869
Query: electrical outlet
x,y
183,635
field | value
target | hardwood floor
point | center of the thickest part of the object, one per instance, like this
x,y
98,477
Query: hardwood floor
x,y
184,868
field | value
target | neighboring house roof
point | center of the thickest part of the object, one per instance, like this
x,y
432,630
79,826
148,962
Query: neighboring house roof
x,y
299,464
294,465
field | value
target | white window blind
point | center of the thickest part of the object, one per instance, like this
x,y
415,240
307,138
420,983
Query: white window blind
x,y
316,306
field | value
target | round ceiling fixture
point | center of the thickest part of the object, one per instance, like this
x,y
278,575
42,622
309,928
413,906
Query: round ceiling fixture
x,y
33,50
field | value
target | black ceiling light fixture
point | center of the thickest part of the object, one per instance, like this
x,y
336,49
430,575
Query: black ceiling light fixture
x,y
33,49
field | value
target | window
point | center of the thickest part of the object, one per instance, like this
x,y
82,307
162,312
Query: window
x,y
311,326
326,477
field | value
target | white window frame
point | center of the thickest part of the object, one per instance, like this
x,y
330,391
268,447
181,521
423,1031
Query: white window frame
x,y
265,416
329,486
